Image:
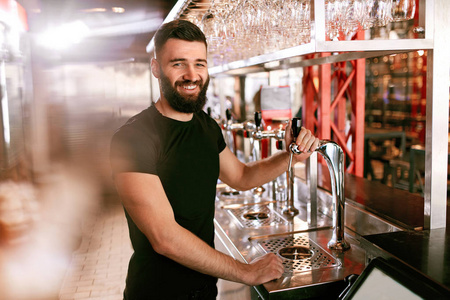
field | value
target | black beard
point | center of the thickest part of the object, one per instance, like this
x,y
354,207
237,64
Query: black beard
x,y
189,104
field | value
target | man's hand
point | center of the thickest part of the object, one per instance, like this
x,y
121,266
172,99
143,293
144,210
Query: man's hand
x,y
264,269
306,141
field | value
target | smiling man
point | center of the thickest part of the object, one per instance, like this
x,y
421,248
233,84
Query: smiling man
x,y
187,92
166,161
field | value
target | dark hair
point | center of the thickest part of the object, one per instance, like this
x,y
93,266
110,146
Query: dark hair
x,y
178,29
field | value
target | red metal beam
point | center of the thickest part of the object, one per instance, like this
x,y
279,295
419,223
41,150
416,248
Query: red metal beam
x,y
358,113
328,113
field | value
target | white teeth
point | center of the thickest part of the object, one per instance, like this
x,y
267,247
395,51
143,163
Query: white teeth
x,y
190,87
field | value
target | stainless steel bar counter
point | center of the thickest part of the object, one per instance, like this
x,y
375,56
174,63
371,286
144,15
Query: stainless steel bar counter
x,y
249,225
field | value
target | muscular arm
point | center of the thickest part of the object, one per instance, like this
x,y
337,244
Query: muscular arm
x,y
144,199
242,176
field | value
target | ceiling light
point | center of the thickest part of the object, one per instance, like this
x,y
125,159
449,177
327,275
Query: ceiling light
x,y
64,36
118,10
94,10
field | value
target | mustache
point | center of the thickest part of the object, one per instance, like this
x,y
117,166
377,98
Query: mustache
x,y
185,82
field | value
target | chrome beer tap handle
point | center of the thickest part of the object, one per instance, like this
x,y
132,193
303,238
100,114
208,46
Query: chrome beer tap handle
x,y
255,143
293,149
228,126
334,156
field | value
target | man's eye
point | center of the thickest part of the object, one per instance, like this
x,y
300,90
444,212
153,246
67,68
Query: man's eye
x,y
178,64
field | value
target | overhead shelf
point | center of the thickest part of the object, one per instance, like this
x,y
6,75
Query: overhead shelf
x,y
341,50
297,57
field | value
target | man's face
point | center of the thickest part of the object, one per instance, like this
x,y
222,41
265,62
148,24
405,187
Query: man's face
x,y
183,72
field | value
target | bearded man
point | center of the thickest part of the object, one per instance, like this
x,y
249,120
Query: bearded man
x,y
166,161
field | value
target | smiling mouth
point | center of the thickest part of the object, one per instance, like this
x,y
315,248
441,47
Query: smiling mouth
x,y
189,87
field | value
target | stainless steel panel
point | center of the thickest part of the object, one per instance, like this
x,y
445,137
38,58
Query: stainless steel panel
x,y
240,214
302,276
437,120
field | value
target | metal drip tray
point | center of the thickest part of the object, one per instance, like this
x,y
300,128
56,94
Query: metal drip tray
x,y
299,253
295,252
256,216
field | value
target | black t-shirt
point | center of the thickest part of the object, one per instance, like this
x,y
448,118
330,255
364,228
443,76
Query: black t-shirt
x,y
185,156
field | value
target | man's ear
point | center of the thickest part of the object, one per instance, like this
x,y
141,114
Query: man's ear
x,y
155,67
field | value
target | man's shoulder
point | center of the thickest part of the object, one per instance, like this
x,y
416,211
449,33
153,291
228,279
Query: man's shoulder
x,y
139,127
139,121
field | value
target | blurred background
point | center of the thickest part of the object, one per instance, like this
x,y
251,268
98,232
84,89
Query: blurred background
x,y
71,72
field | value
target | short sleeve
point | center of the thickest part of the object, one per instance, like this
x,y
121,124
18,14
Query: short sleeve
x,y
220,140
132,151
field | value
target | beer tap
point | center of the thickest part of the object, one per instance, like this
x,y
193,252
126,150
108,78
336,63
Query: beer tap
x,y
229,127
334,156
257,134
260,134
293,149
247,127
255,144
229,124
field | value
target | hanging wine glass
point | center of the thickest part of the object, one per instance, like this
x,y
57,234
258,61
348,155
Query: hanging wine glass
x,y
380,14
403,10
367,20
234,32
195,17
352,17
253,19
274,29
331,19
300,20
211,29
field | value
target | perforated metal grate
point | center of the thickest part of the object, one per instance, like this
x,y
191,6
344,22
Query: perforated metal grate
x,y
318,260
272,218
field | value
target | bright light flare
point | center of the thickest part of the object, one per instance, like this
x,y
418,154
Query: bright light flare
x,y
62,37
118,10
94,10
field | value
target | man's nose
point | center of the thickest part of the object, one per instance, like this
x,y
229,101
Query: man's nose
x,y
191,74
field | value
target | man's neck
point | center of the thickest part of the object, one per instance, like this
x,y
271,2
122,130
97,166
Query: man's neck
x,y
166,110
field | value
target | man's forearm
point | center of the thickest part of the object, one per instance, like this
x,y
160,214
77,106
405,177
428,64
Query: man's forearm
x,y
187,249
260,172
202,258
